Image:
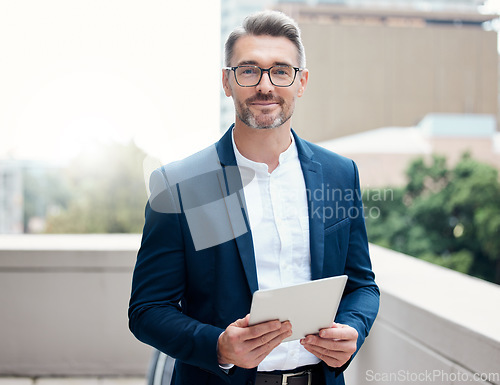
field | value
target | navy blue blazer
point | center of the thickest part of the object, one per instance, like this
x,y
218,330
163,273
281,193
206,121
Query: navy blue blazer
x,y
184,295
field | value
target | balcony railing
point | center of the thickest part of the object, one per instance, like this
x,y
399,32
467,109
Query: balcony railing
x,y
435,325
63,301
64,298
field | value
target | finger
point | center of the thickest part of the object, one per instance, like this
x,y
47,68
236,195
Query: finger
x,y
264,339
339,333
261,351
259,330
320,342
242,322
333,359
321,352
348,346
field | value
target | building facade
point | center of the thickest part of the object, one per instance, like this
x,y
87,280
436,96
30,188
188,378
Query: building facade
x,y
373,67
11,197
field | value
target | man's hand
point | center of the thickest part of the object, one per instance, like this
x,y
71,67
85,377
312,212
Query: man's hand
x,y
246,346
334,345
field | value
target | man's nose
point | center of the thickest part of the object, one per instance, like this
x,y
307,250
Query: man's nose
x,y
265,86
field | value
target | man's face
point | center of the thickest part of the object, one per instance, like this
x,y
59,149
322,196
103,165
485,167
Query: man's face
x,y
264,105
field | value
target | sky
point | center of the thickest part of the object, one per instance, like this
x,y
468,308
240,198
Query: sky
x,y
492,5
76,72
80,71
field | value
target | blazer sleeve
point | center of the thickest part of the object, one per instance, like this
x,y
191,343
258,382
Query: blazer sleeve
x,y
158,285
360,303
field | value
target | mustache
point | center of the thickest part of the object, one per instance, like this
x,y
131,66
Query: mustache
x,y
265,98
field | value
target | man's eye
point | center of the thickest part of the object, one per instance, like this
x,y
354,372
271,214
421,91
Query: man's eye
x,y
281,71
248,71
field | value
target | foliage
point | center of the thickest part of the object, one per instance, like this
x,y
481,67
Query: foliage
x,y
44,190
107,192
448,216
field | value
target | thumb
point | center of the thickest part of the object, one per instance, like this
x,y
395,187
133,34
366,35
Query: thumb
x,y
242,322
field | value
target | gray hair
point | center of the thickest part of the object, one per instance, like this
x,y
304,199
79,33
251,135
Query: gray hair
x,y
272,23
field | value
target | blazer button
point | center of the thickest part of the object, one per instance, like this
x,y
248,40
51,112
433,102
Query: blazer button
x,y
249,382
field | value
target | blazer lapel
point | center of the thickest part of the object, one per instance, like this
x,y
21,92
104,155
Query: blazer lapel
x,y
234,185
313,177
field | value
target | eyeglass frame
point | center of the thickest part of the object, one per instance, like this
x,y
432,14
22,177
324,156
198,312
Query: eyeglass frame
x,y
262,70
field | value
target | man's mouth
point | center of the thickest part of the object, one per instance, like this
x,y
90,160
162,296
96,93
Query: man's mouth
x,y
263,102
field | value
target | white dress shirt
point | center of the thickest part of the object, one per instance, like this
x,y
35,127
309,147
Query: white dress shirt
x,y
277,209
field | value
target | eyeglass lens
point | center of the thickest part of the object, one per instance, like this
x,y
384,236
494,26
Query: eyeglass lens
x,y
250,75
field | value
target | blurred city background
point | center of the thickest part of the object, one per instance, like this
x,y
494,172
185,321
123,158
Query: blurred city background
x,y
95,95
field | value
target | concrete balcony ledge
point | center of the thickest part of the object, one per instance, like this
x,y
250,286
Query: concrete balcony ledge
x,y
466,301
80,242
73,251
434,323
64,302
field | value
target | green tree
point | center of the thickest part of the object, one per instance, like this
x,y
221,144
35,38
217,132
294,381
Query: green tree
x,y
446,216
107,192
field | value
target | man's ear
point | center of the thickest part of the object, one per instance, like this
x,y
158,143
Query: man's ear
x,y
225,82
304,77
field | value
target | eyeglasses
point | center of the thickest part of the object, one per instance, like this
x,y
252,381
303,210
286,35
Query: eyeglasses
x,y
250,76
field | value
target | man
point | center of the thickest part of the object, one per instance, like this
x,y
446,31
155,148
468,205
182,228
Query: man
x,y
251,213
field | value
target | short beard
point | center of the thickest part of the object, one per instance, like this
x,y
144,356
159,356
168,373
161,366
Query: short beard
x,y
248,118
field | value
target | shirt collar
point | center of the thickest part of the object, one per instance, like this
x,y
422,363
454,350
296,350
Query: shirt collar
x,y
286,156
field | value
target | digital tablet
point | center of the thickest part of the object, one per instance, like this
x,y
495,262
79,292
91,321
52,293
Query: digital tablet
x,y
309,306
